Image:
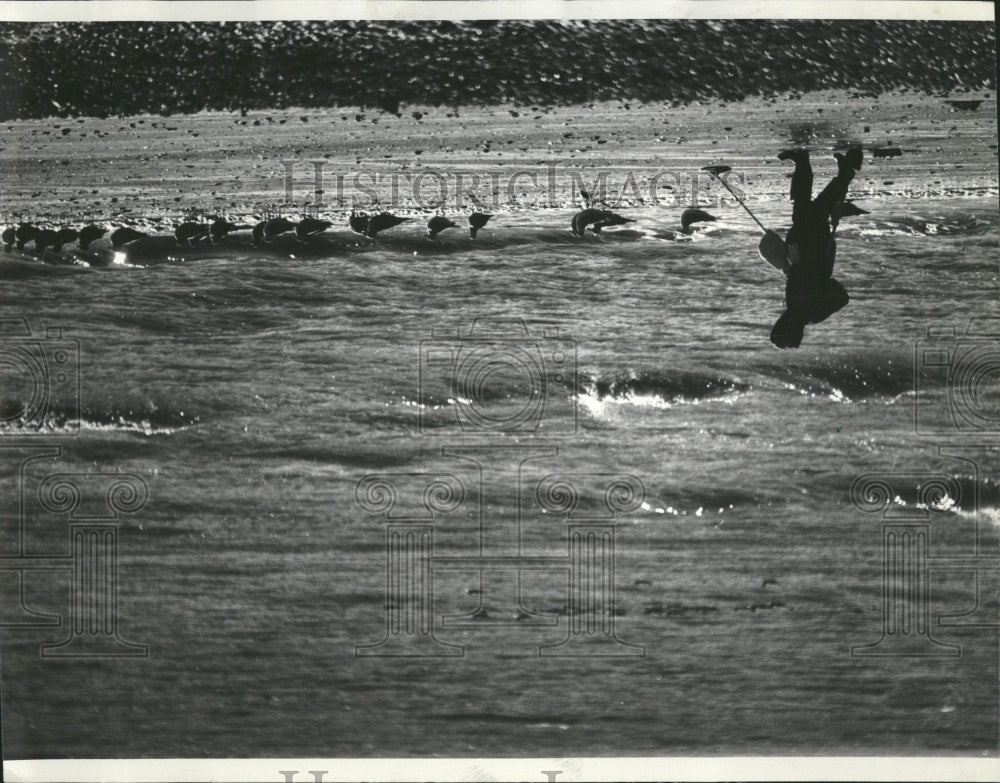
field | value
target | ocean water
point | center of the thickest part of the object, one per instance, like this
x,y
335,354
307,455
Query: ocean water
x,y
252,390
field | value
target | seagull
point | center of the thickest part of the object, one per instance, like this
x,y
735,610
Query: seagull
x,y
124,235
476,221
692,215
611,220
358,223
381,222
587,216
309,227
188,233
268,229
437,224
222,228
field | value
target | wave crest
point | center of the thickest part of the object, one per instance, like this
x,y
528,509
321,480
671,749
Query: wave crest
x,y
670,387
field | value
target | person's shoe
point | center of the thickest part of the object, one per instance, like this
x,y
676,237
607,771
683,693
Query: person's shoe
x,y
797,154
855,157
851,161
844,167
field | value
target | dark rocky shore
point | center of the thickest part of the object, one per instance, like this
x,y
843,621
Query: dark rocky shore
x,y
107,69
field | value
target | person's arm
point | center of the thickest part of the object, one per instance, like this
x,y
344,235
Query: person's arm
x,y
792,246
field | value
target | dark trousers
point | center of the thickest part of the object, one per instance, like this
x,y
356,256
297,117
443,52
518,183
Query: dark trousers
x,y
811,293
806,209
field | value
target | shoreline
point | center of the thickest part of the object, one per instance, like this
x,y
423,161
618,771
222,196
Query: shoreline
x,y
154,169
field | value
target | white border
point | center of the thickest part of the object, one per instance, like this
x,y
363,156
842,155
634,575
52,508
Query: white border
x,y
462,770
270,10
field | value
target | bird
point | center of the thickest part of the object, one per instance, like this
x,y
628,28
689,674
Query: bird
x,y
8,238
689,217
189,232
63,237
89,233
309,226
600,218
479,216
592,215
95,243
221,228
437,224
476,221
100,248
122,236
693,215
44,237
611,220
587,216
23,234
381,222
358,223
49,244
266,230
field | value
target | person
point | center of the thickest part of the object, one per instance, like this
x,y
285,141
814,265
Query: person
x,y
811,293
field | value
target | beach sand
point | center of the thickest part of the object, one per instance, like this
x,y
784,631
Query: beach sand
x,y
152,171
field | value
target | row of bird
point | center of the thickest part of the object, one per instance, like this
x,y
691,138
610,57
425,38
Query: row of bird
x,y
96,245
94,239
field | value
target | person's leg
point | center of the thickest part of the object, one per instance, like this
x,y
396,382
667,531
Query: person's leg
x,y
836,191
802,182
822,206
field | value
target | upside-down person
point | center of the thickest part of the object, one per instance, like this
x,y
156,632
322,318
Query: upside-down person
x,y
811,293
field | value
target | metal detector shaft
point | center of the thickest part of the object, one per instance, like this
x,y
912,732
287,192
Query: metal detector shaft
x,y
738,199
